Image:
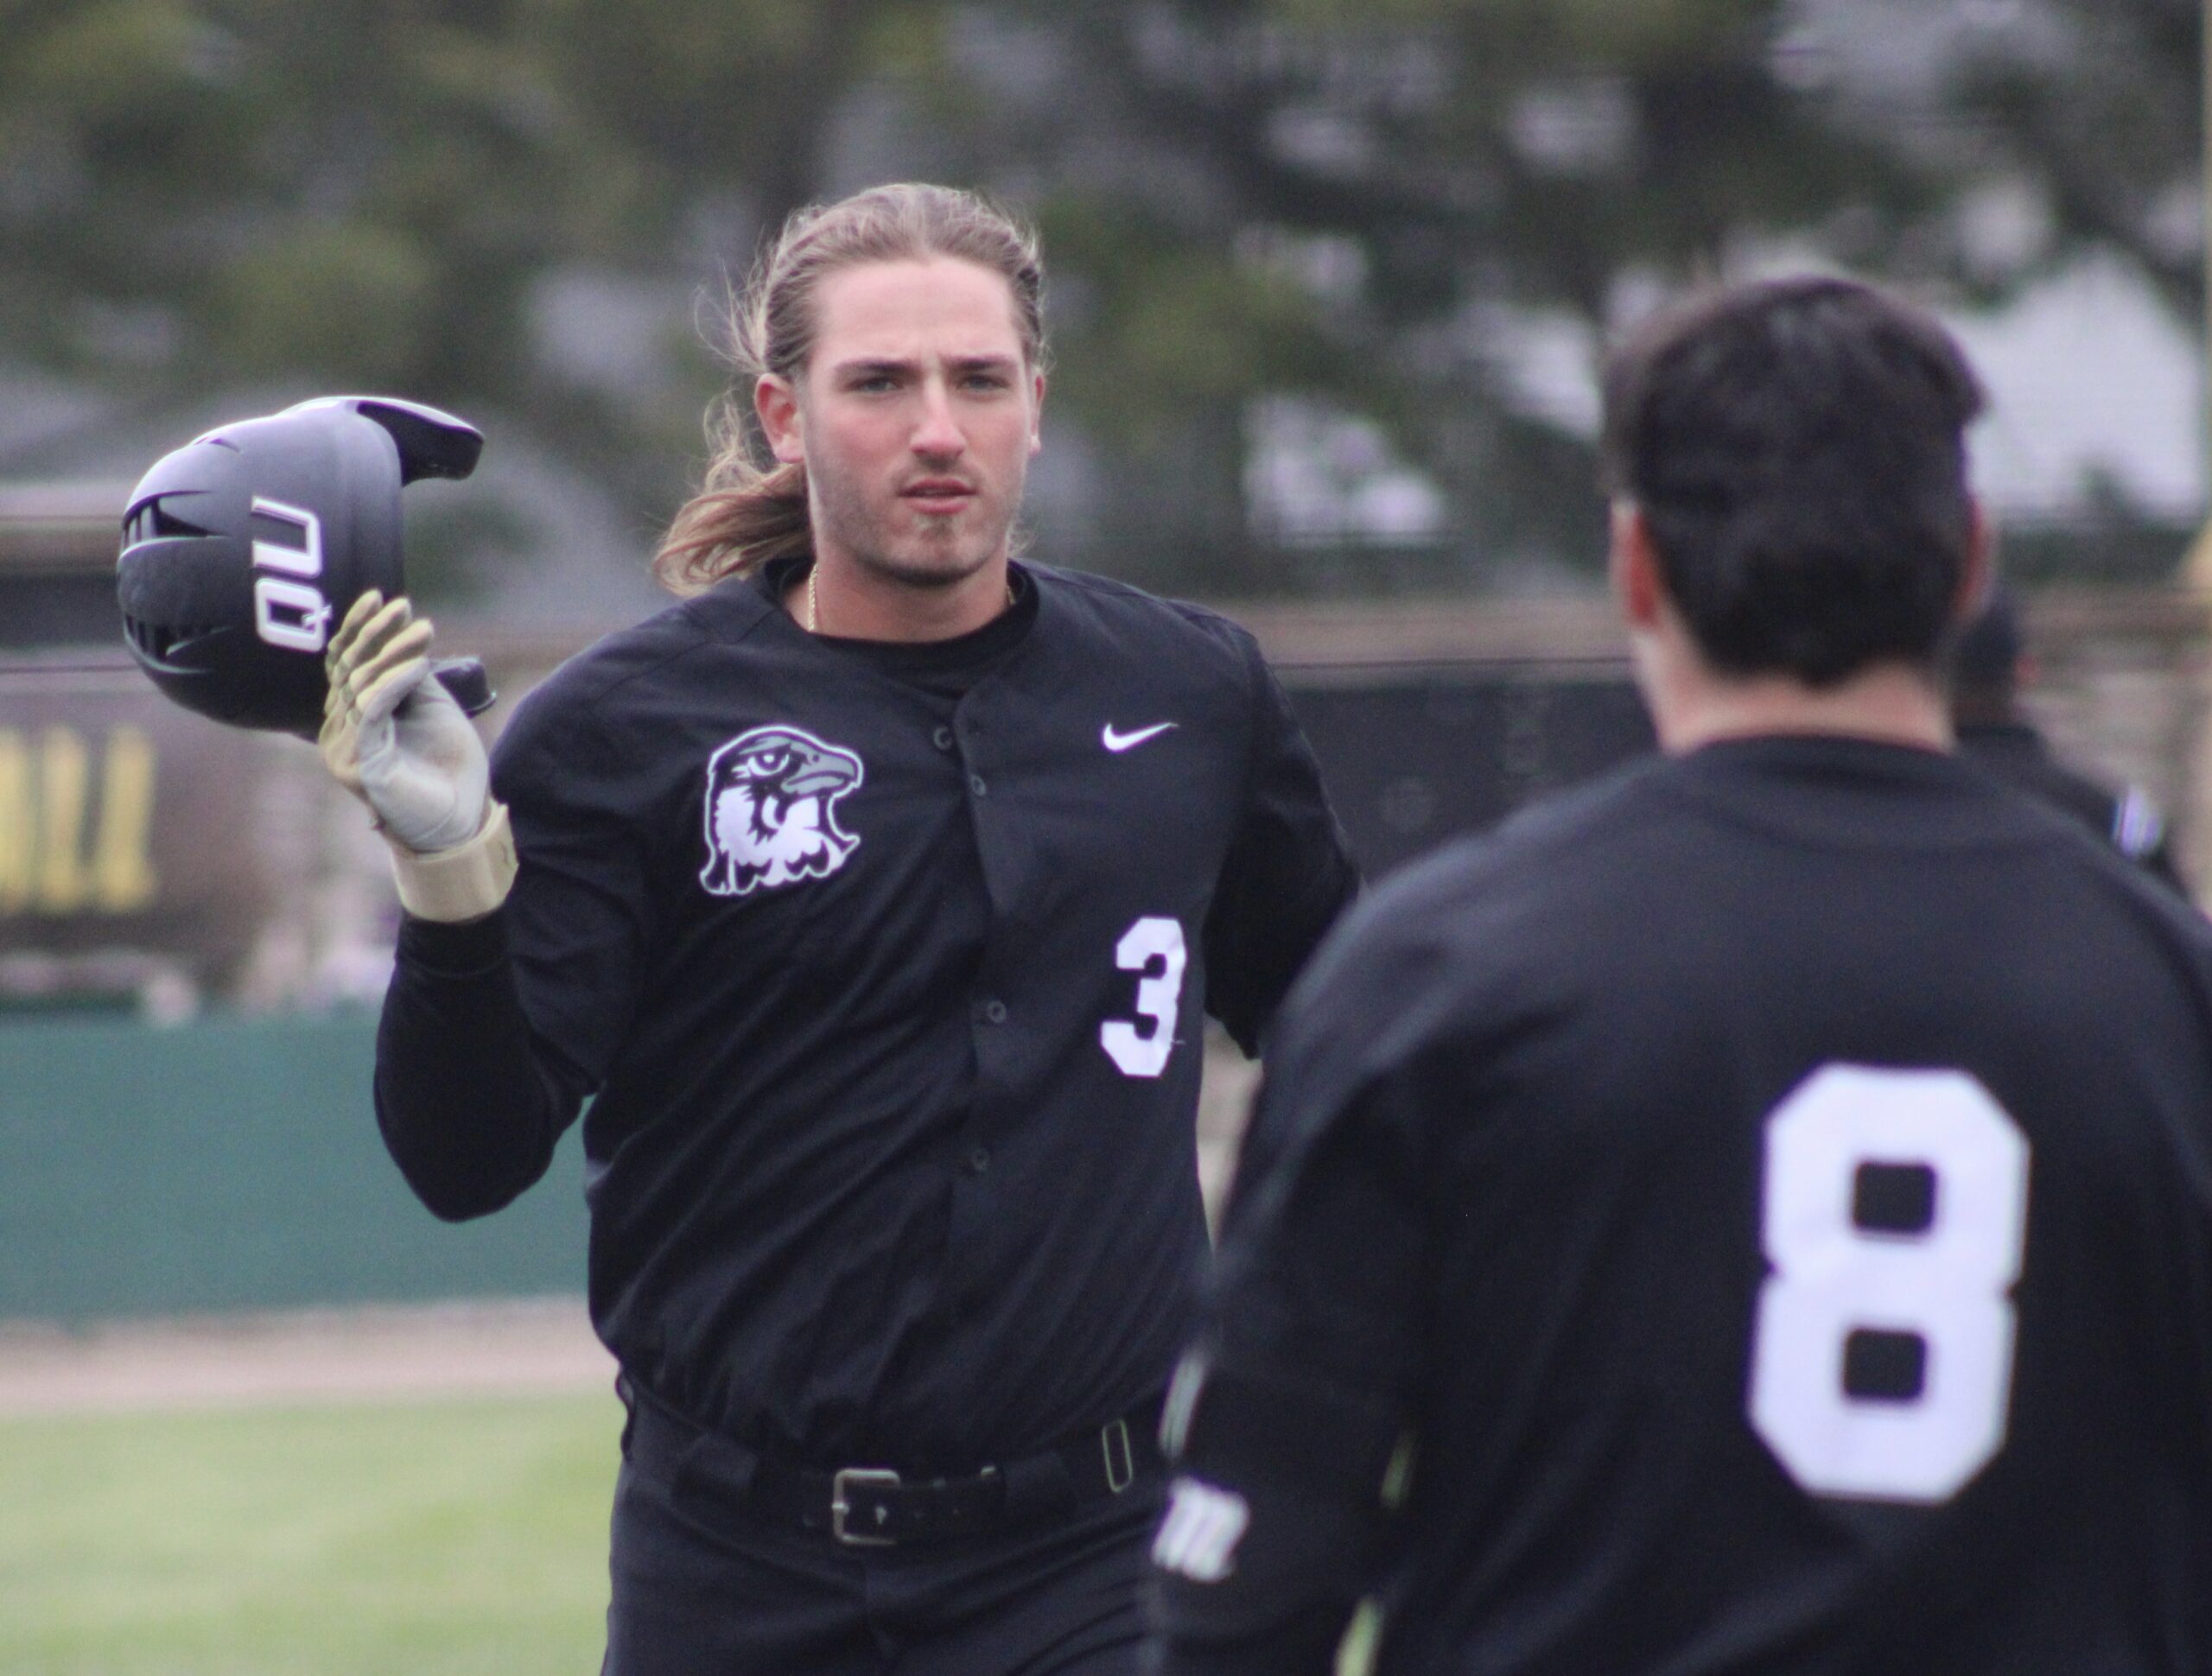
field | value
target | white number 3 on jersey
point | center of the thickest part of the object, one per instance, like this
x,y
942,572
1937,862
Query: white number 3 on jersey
x,y
1882,1357
1153,946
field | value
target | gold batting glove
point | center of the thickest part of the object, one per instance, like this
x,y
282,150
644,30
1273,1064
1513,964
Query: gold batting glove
x,y
357,654
396,738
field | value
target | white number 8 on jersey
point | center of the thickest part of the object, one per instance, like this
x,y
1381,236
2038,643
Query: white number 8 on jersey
x,y
1945,1285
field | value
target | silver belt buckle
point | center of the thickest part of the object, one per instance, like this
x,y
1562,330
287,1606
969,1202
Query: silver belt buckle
x,y
841,1484
1121,1458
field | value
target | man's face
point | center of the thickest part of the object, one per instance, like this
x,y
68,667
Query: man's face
x,y
915,416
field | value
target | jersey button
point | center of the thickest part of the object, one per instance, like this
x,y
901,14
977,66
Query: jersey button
x,y
979,1160
942,738
994,1012
975,784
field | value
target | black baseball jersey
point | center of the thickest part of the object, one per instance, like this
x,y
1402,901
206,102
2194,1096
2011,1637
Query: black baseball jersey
x,y
887,966
2129,820
1774,1188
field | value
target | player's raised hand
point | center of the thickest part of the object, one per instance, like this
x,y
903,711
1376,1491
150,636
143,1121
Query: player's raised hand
x,y
370,626
394,736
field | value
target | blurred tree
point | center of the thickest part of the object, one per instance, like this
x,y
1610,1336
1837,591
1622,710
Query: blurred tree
x,y
374,194
1441,208
1370,248
2066,125
1426,212
2064,132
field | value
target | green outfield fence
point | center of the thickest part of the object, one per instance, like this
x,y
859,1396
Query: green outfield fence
x,y
234,1165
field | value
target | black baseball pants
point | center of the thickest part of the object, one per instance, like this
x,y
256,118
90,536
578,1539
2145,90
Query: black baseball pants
x,y
705,1585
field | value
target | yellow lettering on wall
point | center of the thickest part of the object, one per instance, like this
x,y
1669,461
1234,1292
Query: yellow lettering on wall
x,y
64,777
47,866
18,823
122,868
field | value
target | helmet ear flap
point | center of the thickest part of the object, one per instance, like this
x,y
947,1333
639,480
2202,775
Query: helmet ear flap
x,y
431,442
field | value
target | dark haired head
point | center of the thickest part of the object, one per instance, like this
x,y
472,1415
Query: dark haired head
x,y
1797,449
1986,656
748,512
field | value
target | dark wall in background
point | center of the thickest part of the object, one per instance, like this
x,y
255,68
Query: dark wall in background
x,y
234,1163
1414,758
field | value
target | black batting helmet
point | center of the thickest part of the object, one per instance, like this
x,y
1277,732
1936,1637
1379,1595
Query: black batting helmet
x,y
243,549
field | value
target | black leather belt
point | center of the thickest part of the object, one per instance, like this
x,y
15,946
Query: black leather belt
x,y
865,1507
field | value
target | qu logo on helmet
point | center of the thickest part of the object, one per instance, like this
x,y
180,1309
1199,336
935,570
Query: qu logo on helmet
x,y
772,811
290,614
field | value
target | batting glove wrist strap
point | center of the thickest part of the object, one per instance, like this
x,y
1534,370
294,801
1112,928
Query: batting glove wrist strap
x,y
465,882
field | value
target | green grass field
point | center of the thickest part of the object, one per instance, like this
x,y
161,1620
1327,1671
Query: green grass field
x,y
463,1537
435,1538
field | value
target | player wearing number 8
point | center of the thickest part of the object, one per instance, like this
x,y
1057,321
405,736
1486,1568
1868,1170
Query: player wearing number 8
x,y
877,892
1762,1202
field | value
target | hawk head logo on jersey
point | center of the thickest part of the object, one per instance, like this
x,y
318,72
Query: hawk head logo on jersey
x,y
772,811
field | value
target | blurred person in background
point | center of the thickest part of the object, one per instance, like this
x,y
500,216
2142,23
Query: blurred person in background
x,y
1991,667
1752,1214
873,896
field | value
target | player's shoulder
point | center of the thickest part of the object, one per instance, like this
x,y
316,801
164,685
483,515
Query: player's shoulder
x,y
1080,601
1535,854
2017,756
640,655
1470,922
589,691
1460,949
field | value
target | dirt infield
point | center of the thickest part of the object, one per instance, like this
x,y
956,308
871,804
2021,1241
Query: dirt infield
x,y
320,1355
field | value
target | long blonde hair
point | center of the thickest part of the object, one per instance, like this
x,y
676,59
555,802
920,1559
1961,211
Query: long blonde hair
x,y
745,513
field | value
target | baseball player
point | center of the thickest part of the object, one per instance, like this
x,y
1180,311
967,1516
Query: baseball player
x,y
1988,668
1753,1215
872,897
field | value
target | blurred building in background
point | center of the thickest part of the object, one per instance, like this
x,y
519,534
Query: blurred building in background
x,y
1328,280
1330,283
149,859
153,860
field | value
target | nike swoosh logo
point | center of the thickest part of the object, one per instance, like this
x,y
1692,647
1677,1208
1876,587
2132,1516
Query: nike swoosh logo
x,y
1119,742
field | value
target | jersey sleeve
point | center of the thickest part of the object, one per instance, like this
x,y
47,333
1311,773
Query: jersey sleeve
x,y
580,913
469,1102
1294,1404
1287,875
494,1031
